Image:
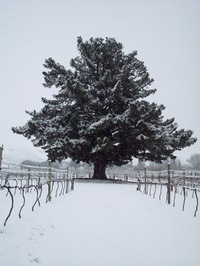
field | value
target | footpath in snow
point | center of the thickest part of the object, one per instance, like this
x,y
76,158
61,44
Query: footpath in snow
x,y
102,224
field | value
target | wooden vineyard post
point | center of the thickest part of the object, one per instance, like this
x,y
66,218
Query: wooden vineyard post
x,y
67,184
139,184
72,183
183,176
168,184
172,184
49,183
1,153
145,180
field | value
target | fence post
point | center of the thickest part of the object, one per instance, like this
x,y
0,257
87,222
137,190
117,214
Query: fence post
x,y
28,180
72,183
145,180
49,183
1,153
138,178
183,176
67,184
172,181
168,184
67,172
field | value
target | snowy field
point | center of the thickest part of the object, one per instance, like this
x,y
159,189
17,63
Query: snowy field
x,y
99,224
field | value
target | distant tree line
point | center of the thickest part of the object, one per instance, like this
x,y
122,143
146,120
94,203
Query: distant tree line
x,y
56,165
152,166
193,163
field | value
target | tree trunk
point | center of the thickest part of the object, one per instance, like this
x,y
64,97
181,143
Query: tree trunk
x,y
99,171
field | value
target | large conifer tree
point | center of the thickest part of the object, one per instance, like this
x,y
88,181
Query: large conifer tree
x,y
100,114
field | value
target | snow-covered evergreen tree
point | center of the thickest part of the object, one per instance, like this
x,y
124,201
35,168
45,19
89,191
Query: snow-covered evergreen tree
x,y
100,114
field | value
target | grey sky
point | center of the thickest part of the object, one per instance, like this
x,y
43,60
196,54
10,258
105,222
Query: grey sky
x,y
166,35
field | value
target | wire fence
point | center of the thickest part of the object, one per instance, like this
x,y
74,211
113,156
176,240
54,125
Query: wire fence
x,y
176,187
48,182
169,183
44,182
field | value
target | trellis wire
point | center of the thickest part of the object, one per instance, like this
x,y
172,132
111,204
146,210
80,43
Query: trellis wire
x,y
170,179
26,178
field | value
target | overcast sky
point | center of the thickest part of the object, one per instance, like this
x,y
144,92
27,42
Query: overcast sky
x,y
166,35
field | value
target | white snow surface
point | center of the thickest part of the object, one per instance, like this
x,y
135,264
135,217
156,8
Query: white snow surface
x,y
99,224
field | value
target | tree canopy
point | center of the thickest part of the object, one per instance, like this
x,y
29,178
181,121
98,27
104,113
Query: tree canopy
x,y
100,114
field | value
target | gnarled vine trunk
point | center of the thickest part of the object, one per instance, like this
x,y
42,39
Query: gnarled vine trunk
x,y
99,171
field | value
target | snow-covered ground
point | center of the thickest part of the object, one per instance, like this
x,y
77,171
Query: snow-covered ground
x,y
99,224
